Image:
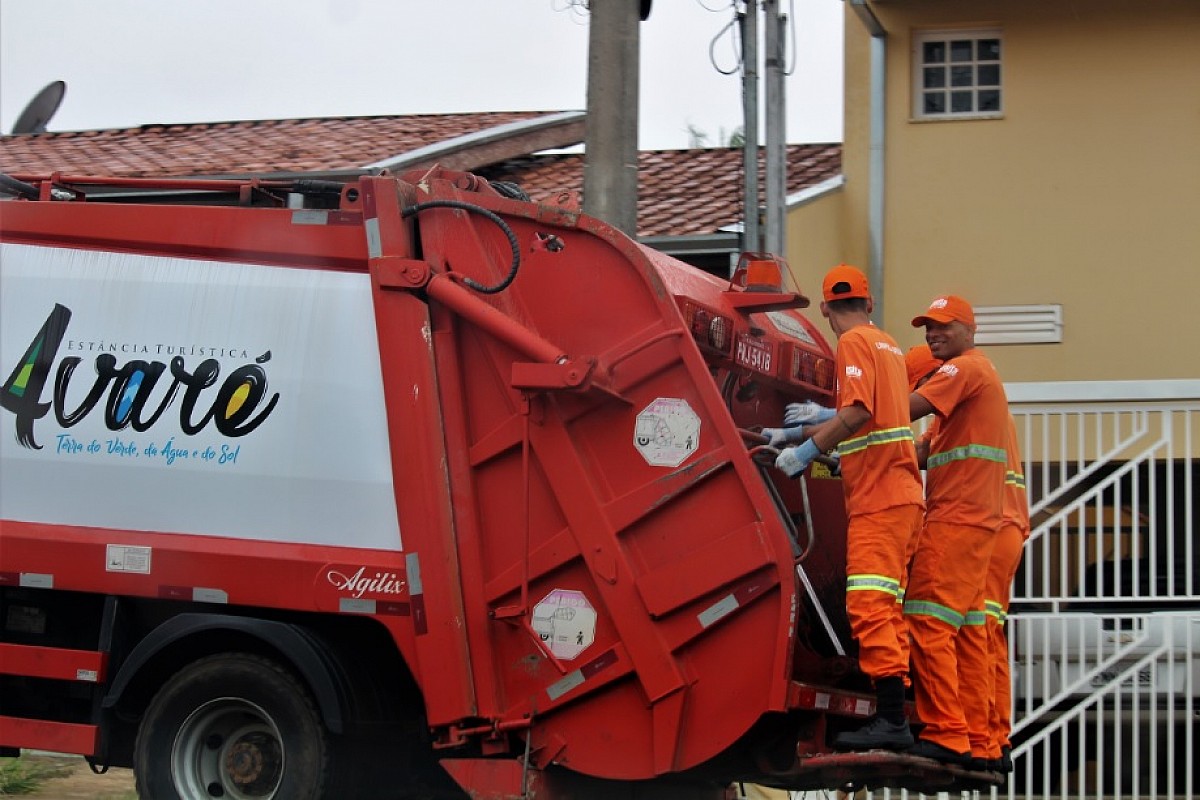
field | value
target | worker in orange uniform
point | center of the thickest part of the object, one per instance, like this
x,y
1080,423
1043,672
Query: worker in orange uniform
x,y
1006,557
921,365
964,485
883,496
1002,568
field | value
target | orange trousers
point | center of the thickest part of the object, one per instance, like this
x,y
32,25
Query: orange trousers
x,y
877,549
951,667
1006,557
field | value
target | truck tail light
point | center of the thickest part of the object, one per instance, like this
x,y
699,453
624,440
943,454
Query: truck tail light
x,y
709,328
811,369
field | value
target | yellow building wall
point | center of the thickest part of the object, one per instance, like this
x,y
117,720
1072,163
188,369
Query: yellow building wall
x,y
814,242
1085,194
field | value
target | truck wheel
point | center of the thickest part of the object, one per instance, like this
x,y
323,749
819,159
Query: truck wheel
x,y
233,726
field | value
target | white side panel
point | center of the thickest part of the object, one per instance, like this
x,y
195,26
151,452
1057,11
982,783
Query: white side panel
x,y
313,468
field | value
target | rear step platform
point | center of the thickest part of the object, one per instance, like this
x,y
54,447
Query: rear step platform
x,y
876,769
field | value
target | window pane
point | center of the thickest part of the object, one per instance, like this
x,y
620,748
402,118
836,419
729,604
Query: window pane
x,y
960,102
935,103
988,74
933,53
935,77
961,50
989,100
989,49
962,76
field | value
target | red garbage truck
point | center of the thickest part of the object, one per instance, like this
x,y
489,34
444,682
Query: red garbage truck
x,y
408,487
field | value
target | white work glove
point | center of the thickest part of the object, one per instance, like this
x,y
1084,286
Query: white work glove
x,y
781,437
835,468
794,460
806,413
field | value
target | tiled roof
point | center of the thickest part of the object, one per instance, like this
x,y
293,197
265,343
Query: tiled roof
x,y
680,192
233,148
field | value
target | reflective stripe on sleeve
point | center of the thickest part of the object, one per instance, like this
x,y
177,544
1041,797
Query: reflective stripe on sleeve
x,y
881,436
981,451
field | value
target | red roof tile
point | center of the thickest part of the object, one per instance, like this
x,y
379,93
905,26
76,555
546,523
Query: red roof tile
x,y
234,148
681,192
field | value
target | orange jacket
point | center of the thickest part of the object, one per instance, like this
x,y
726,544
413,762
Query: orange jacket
x,y
879,462
968,455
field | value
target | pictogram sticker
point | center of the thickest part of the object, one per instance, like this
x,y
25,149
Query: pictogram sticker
x,y
127,558
667,432
566,622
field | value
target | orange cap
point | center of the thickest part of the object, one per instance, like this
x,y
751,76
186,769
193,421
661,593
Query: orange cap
x,y
919,361
844,282
947,308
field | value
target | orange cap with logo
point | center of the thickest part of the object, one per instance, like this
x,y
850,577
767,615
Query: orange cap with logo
x,y
947,308
919,362
844,282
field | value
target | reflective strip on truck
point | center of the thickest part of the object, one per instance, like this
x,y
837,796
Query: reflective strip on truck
x,y
730,602
362,605
416,593
32,580
577,678
197,594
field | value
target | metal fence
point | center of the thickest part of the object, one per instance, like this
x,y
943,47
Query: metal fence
x,y
1104,628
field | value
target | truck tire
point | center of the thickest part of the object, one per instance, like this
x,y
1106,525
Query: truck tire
x,y
235,726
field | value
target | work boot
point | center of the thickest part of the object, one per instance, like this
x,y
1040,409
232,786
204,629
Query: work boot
x,y
927,749
878,734
888,730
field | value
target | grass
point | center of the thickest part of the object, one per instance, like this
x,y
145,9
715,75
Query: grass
x,y
19,776
27,775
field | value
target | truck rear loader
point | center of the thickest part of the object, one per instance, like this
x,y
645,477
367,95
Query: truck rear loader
x,y
408,487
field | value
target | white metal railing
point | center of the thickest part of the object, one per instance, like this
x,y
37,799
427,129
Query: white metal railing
x,y
1106,705
1112,486
1104,630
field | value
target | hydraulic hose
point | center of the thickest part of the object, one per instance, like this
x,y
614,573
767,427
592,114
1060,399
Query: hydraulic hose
x,y
483,212
11,186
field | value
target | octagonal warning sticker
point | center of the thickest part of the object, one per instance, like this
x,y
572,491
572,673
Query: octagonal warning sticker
x,y
667,432
566,622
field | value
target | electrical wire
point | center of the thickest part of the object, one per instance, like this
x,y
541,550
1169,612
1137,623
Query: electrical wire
x,y
735,38
483,212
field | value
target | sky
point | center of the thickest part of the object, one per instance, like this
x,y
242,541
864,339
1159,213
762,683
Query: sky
x,y
135,62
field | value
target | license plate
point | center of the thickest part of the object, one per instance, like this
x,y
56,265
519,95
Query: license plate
x,y
753,354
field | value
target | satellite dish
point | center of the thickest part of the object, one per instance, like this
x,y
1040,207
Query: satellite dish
x,y
40,109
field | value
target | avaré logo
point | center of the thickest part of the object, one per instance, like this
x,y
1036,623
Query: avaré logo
x,y
128,390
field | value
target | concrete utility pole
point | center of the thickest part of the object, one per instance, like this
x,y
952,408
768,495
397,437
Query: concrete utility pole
x,y
776,118
610,188
749,24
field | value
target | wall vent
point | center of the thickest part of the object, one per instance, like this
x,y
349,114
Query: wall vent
x,y
1018,324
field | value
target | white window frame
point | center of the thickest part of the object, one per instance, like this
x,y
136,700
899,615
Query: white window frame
x,y
920,39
